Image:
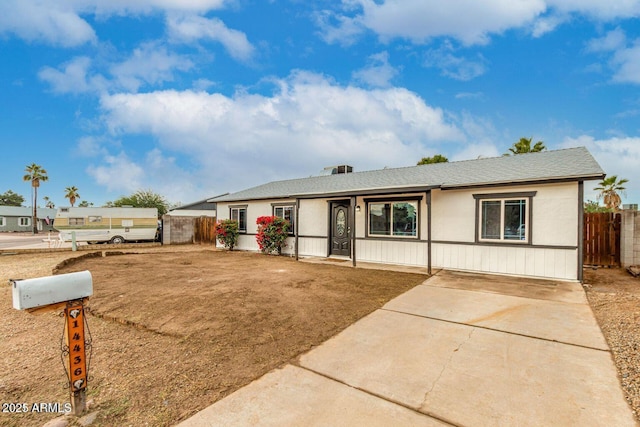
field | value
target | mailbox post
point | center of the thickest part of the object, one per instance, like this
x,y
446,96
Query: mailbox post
x,y
68,292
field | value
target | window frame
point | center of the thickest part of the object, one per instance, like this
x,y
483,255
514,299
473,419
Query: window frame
x,y
3,221
503,198
28,221
77,221
392,200
239,208
292,222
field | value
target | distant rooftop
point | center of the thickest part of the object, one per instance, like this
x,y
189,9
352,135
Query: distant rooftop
x,y
557,165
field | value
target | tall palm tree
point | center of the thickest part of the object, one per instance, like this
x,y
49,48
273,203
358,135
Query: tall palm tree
x,y
71,194
524,146
609,188
35,174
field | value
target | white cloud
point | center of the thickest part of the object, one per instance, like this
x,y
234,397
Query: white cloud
x,y
627,64
188,29
150,64
378,72
55,23
309,123
624,56
118,173
612,41
598,9
456,67
72,78
617,156
546,24
61,22
468,21
336,28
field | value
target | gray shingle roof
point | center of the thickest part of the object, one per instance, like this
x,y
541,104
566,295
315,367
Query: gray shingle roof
x,y
568,164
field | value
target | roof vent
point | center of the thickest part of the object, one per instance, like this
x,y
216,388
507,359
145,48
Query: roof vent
x,y
335,170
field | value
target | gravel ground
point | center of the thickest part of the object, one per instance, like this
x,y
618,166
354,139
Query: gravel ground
x,y
614,296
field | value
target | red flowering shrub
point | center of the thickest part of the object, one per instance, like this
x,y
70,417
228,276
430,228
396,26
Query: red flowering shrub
x,y
227,233
272,234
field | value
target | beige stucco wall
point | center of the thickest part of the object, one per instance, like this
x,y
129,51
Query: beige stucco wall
x,y
554,213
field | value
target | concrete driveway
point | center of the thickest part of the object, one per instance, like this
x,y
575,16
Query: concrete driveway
x,y
460,349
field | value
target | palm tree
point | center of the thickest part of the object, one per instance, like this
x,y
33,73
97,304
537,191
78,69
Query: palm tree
x,y
524,146
609,188
48,203
71,194
35,174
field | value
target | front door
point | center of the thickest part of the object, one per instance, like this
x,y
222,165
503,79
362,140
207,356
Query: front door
x,y
340,229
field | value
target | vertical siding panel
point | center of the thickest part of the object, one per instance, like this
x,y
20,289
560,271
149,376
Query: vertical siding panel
x,y
571,264
538,256
460,256
483,251
560,264
503,255
469,258
436,251
493,259
530,262
520,265
549,262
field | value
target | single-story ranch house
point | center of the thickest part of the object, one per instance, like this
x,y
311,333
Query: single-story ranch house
x,y
519,215
18,218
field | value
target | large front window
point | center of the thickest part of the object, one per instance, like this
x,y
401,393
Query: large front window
x,y
240,216
25,221
504,219
398,219
288,213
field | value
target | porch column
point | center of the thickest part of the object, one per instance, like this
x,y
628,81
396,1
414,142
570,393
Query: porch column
x,y
580,229
353,231
297,226
428,196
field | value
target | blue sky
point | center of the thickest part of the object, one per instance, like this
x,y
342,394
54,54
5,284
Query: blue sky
x,y
193,98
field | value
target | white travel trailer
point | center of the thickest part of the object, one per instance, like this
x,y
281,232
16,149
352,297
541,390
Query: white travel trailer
x,y
113,225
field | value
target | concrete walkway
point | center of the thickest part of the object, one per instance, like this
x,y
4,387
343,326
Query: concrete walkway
x,y
460,349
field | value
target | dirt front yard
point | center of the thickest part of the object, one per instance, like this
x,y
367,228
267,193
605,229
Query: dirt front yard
x,y
614,296
174,332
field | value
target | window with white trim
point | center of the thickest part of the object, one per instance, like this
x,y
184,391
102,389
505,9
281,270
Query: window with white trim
x,y
24,221
239,214
504,219
394,219
3,221
286,212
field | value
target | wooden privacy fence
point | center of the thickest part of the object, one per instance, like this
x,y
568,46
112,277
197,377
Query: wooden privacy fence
x,y
204,230
602,239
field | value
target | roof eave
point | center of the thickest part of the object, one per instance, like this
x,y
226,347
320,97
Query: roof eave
x,y
546,180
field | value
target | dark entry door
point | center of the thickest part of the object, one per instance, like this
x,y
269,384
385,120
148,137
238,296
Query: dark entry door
x,y
340,229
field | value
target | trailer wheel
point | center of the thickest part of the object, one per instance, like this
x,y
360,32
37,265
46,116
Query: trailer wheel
x,y
116,239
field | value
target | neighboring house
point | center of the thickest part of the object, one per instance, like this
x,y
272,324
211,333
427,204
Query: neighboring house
x,y
179,224
18,218
199,208
519,215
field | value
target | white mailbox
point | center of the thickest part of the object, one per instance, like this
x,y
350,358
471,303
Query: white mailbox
x,y
41,291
